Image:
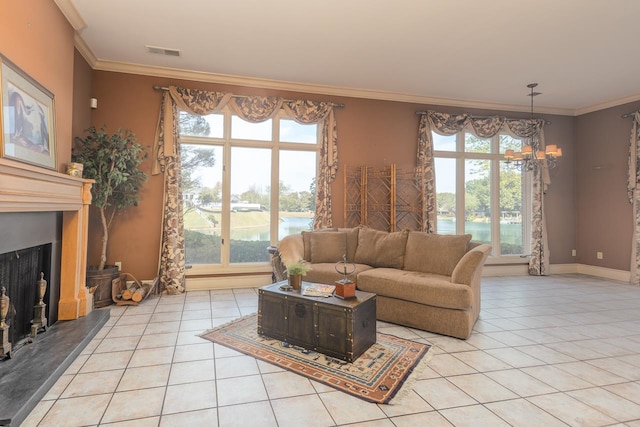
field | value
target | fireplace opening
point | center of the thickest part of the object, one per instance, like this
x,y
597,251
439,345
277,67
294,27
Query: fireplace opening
x,y
19,274
31,244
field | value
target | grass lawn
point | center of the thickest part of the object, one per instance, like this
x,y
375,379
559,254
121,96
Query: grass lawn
x,y
195,220
249,219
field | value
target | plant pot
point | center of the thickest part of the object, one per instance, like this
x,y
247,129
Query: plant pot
x,y
295,281
101,281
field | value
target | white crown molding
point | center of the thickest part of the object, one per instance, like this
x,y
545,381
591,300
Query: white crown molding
x,y
71,13
130,68
605,105
85,50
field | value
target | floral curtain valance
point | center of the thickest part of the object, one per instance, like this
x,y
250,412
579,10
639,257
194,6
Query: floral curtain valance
x,y
254,109
486,127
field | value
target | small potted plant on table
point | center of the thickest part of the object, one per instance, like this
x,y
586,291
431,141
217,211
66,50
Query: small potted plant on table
x,y
295,272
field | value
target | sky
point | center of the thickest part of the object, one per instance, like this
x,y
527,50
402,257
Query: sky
x,y
297,169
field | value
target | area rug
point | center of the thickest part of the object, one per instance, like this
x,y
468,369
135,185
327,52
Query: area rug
x,y
382,374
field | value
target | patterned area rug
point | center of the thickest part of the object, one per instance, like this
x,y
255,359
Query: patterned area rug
x,y
378,375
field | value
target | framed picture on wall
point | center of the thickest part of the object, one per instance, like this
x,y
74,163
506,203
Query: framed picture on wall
x,y
26,119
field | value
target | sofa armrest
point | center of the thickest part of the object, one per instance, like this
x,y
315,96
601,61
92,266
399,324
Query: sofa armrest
x,y
278,269
289,250
469,268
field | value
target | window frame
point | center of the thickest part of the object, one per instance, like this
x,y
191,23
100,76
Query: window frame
x,y
460,155
227,143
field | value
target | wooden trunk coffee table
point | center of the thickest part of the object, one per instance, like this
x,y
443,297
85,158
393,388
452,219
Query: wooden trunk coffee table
x,y
339,328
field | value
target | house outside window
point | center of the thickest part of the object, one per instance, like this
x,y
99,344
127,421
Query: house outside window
x,y
478,193
230,168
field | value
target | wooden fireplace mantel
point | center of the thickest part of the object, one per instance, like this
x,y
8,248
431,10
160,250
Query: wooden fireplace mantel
x,y
26,188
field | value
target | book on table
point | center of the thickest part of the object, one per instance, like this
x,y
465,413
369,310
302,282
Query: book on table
x,y
317,290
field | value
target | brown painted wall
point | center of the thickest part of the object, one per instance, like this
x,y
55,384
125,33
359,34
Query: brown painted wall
x,y
603,211
36,37
82,86
586,205
370,132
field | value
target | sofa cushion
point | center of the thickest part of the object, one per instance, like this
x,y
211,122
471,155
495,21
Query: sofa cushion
x,y
352,242
423,288
380,248
328,247
434,253
306,236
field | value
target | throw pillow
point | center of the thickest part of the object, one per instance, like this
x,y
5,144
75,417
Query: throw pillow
x,y
352,242
306,236
329,246
380,248
435,253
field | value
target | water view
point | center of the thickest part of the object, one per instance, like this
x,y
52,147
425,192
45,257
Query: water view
x,y
288,225
481,231
510,234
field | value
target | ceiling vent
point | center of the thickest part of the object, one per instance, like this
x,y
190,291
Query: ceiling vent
x,y
162,51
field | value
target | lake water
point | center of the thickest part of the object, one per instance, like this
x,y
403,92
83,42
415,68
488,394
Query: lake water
x,y
481,231
509,233
288,225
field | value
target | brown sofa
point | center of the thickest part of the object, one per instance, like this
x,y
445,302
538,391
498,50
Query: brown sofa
x,y
425,281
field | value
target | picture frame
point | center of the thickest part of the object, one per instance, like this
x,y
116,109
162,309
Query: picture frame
x,y
27,118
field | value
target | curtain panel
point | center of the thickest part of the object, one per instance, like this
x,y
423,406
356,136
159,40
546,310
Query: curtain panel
x,y
166,160
633,190
531,130
254,109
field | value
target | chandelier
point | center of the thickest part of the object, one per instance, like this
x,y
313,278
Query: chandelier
x,y
531,156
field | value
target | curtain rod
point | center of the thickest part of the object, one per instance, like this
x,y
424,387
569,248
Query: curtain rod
x,y
421,113
164,88
626,115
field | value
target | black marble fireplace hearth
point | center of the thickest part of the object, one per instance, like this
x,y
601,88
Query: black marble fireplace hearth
x,y
26,378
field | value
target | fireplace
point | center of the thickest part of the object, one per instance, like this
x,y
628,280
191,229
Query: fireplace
x,y
44,218
36,201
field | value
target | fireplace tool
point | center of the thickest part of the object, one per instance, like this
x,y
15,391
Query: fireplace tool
x,y
5,345
39,310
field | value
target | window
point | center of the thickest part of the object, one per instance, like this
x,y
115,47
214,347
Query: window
x,y
479,194
230,168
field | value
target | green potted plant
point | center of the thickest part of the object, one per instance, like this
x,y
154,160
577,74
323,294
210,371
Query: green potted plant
x,y
113,161
295,271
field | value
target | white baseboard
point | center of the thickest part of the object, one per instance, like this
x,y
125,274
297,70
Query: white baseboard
x,y
606,273
505,270
227,282
590,270
565,268
254,281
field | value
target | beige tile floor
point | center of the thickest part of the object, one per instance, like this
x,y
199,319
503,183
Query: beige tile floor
x,y
547,351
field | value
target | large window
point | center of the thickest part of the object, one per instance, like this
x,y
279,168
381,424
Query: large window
x,y
245,186
477,193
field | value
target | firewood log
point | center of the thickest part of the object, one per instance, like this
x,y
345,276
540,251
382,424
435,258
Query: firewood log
x,y
127,294
139,293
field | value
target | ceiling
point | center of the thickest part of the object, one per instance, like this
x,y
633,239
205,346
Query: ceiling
x,y
583,53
